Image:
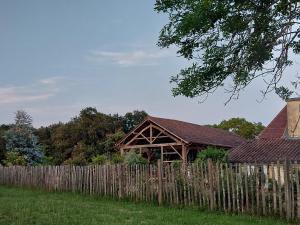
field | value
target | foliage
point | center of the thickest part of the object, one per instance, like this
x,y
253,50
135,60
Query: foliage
x,y
283,92
21,139
3,130
241,127
237,40
89,134
99,160
213,153
177,164
78,160
13,158
132,119
109,144
117,158
132,158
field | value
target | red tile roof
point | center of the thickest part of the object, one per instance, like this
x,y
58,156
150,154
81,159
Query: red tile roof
x,y
197,134
272,144
266,151
277,127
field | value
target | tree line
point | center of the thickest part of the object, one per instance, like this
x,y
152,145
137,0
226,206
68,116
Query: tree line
x,y
88,138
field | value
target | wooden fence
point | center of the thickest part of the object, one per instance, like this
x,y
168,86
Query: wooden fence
x,y
235,188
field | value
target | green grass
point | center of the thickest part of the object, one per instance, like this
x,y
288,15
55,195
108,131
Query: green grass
x,y
29,207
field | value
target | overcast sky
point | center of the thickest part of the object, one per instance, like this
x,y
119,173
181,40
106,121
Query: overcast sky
x,y
59,56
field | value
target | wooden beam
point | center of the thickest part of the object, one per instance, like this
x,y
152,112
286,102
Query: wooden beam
x,y
149,127
176,151
166,132
146,138
151,134
142,138
149,154
162,153
157,136
138,134
184,154
150,145
157,126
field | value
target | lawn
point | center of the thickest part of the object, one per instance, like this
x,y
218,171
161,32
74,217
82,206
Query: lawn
x,y
29,207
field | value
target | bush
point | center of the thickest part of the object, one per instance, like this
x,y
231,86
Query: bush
x,y
117,158
13,158
78,160
213,153
176,164
131,158
99,160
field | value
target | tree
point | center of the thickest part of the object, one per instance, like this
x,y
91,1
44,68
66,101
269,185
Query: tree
x,y
213,153
231,40
241,127
21,140
87,135
132,119
3,129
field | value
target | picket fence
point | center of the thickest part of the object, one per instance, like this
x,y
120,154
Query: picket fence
x,y
254,189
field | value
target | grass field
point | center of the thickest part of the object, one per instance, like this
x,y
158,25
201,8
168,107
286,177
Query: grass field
x,y
26,207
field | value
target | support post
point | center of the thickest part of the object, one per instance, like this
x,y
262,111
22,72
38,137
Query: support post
x,y
162,154
149,154
122,151
184,154
184,157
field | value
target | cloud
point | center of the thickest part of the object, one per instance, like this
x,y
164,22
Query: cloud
x,y
133,58
41,90
20,94
51,80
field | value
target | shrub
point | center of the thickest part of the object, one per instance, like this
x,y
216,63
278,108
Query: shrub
x,y
213,153
117,158
176,163
131,158
14,158
99,160
78,160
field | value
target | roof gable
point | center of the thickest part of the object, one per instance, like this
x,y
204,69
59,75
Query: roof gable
x,y
277,127
191,133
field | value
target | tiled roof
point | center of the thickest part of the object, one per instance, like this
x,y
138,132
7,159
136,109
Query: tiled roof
x,y
277,127
266,150
197,134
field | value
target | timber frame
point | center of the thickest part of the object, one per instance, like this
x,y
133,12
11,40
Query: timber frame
x,y
150,138
169,140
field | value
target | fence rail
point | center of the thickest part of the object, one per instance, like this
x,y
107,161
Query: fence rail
x,y
272,189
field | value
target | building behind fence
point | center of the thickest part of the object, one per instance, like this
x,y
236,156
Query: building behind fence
x,y
236,188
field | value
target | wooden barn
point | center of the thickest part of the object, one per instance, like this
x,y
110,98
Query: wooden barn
x,y
170,140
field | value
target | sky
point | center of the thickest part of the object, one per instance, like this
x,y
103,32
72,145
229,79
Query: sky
x,y
59,56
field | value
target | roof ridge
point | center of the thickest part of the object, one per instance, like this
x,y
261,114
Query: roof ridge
x,y
205,126
176,120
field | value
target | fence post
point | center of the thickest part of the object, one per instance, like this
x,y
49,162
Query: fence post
x,y
120,176
160,185
211,183
287,191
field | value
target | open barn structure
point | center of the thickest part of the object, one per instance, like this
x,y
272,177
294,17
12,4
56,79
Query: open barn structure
x,y
171,140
